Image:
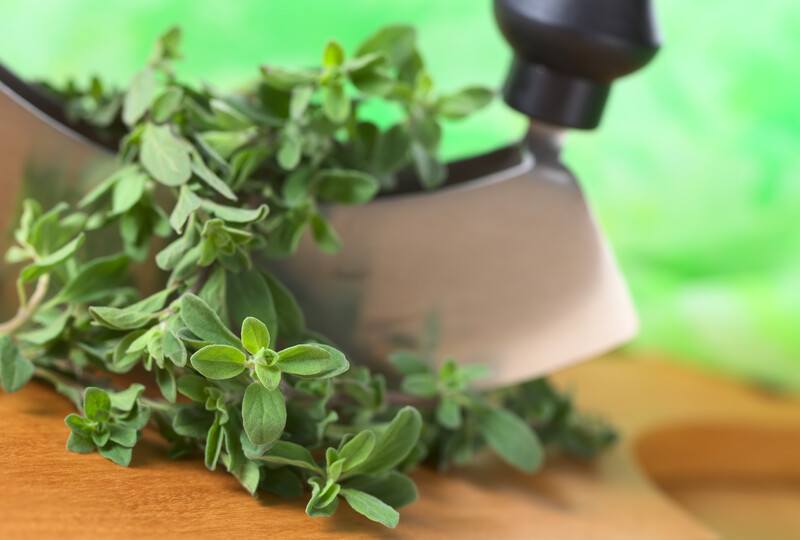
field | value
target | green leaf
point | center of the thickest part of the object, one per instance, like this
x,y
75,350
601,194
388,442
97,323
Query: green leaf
x,y
394,442
249,294
286,79
166,104
166,383
120,318
448,413
213,293
346,186
295,189
96,404
16,254
373,78
397,43
431,173
371,507
301,96
255,335
420,384
363,61
289,453
314,361
585,436
408,362
123,436
31,212
246,471
263,414
336,104
204,323
100,436
193,387
123,360
165,156
208,176
357,450
167,46
392,150
47,231
118,454
217,239
249,475
213,448
192,421
174,349
139,96
425,130
126,399
473,372
282,482
464,102
78,424
51,328
79,444
15,369
333,56
137,419
227,116
187,203
219,362
322,511
94,279
290,150
127,192
324,234
153,303
42,265
393,488
365,140
512,439
286,236
334,469
246,163
236,215
269,376
323,500
106,185
171,256
225,143
183,262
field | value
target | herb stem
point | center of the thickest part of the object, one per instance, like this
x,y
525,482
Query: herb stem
x,y
202,277
155,404
67,389
51,376
27,310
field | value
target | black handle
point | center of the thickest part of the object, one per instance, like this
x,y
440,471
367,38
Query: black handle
x,y
567,53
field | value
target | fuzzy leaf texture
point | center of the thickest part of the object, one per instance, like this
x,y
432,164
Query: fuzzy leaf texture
x,y
225,183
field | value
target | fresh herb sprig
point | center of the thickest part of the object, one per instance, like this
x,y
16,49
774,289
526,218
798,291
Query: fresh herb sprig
x,y
231,181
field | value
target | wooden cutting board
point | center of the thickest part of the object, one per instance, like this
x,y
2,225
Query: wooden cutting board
x,y
730,453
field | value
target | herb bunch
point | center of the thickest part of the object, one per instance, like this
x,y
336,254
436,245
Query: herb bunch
x,y
219,184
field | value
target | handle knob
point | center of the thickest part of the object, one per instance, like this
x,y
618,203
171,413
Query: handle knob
x,y
567,53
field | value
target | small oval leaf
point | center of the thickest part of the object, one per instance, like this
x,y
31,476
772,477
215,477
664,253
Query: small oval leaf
x,y
314,361
255,335
219,361
263,414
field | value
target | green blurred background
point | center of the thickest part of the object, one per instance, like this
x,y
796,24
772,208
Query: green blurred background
x,y
695,172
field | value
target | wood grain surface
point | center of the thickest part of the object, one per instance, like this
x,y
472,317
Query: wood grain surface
x,y
682,430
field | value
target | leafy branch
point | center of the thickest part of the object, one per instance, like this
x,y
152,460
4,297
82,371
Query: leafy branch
x,y
220,184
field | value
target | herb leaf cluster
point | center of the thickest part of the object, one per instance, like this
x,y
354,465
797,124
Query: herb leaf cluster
x,y
210,187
